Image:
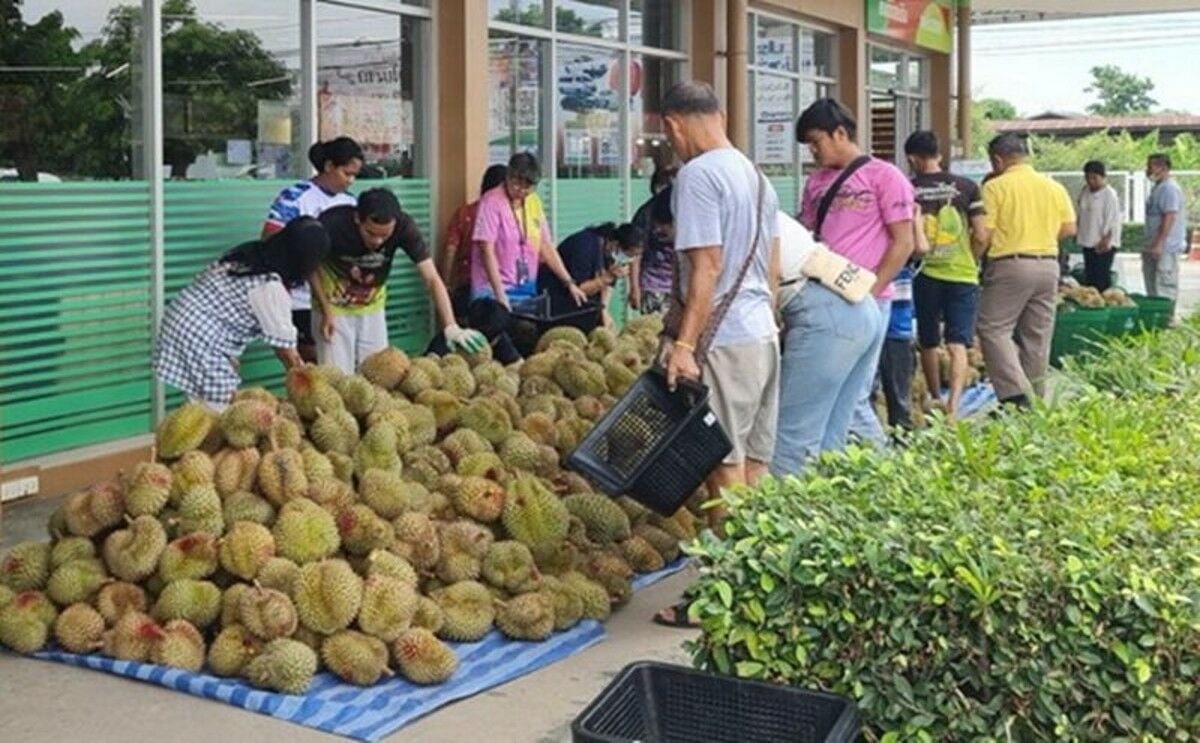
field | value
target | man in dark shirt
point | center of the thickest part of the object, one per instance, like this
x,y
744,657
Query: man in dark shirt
x,y
946,291
350,287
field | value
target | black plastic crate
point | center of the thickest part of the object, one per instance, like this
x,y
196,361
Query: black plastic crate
x,y
654,445
660,703
531,318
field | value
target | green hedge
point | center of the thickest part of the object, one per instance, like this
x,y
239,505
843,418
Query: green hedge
x,y
1029,577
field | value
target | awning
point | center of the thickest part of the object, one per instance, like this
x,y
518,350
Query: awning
x,y
1018,11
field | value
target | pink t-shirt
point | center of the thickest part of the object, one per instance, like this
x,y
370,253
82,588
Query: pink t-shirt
x,y
516,248
876,195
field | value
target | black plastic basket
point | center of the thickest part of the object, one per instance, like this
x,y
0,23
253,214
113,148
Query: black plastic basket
x,y
660,703
654,445
531,318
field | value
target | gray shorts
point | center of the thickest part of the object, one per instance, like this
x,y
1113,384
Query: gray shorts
x,y
744,385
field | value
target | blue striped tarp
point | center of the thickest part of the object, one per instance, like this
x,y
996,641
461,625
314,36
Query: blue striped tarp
x,y
370,713
975,400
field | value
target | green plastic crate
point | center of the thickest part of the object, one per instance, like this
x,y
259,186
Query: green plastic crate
x,y
1122,321
1154,312
1077,331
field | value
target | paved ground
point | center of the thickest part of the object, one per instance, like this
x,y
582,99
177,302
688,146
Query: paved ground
x,y
41,701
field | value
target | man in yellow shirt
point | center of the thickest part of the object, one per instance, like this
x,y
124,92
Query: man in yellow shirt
x,y
1026,215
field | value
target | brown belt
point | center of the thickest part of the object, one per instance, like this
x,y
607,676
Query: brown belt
x,y
1024,257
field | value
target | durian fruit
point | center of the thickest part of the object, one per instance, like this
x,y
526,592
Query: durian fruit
x,y
417,540
529,616
316,464
682,524
446,408
267,613
231,603
540,386
563,333
484,464
357,393
132,554
422,658
329,372
606,522
244,421
617,377
663,543
595,599
116,598
278,573
304,532
589,408
197,601
541,428
232,649
383,562
180,646
462,443
388,606
429,461
26,567
6,594
195,469
468,611
335,431
611,572
132,637
327,595
355,657
641,555
199,511
343,466
258,394
79,629
38,604
23,628
284,665
147,488
76,581
91,511
636,512
458,380
507,403
478,499
386,368
308,637
423,374
557,558
580,378
183,430
246,548
194,556
522,452
246,506
377,450
281,476
509,565
487,418
567,603
464,545
429,615
533,514
571,433
309,391
384,492
332,494
235,470
362,530
285,433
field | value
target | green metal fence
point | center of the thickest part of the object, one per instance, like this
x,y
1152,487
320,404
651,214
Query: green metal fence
x,y
75,299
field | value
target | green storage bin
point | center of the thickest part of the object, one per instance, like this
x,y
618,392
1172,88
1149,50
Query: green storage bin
x,y
1122,321
1077,331
1154,312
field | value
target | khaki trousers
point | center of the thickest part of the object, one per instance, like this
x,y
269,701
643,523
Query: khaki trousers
x,y
1016,323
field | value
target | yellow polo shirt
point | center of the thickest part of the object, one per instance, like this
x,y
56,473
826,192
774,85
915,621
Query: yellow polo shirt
x,y
1025,211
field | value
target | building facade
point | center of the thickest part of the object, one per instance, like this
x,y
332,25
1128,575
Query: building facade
x,y
220,99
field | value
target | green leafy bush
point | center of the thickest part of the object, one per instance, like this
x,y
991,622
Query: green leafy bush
x,y
1030,577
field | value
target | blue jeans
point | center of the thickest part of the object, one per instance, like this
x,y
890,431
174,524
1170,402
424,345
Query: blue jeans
x,y
830,352
865,424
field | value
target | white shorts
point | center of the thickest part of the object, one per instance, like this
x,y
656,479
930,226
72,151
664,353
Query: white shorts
x,y
355,337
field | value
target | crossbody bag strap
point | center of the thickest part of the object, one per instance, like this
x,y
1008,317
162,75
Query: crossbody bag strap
x,y
722,308
831,194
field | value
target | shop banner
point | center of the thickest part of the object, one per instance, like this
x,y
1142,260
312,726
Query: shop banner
x,y
773,128
923,23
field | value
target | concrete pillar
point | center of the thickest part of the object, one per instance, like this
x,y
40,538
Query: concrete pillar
x,y
964,79
737,99
852,77
708,43
941,119
461,27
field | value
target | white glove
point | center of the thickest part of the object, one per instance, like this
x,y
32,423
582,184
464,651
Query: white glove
x,y
839,274
464,339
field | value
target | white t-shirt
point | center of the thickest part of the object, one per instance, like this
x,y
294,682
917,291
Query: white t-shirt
x,y
796,244
305,199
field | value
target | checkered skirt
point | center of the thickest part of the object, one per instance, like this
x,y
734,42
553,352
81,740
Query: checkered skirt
x,y
205,328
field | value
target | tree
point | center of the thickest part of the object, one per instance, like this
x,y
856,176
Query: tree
x,y
995,109
983,112
1121,93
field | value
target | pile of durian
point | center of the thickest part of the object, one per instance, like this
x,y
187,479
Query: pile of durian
x,y
355,526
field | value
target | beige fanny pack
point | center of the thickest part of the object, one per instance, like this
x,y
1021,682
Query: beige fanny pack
x,y
839,274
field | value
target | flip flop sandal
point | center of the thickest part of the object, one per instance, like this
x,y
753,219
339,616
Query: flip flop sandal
x,y
678,617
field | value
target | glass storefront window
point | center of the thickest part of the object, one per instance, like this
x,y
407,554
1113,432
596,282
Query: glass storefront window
x,y
516,69
656,23
69,98
775,45
370,80
598,18
817,53
649,80
521,12
885,69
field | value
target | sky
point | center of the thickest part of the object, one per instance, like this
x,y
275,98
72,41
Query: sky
x,y
1045,66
